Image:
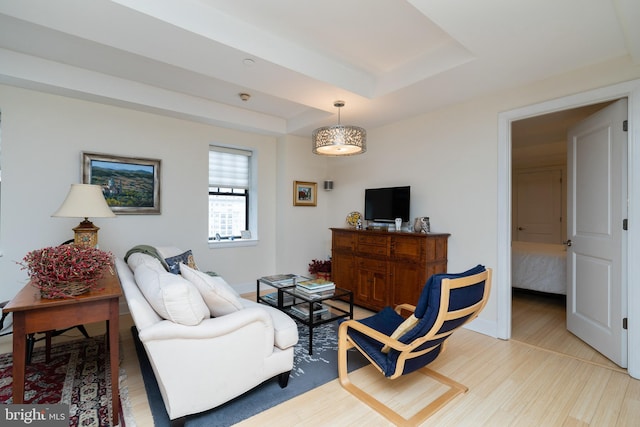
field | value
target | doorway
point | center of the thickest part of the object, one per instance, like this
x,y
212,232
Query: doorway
x,y
630,90
539,200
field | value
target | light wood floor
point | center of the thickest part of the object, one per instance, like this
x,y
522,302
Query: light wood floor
x,y
511,383
540,320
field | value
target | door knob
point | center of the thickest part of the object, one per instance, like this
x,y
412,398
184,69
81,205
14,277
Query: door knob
x,y
568,242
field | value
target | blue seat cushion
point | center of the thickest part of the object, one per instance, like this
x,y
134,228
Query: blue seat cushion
x,y
385,321
430,295
429,303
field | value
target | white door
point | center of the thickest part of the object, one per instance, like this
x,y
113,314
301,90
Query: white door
x,y
539,206
597,206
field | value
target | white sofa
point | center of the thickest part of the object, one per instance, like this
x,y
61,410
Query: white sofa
x,y
201,361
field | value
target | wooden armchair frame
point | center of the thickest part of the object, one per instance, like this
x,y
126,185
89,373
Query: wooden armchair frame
x,y
345,342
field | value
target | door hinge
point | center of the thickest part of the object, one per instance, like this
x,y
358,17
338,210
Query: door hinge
x,y
625,125
625,224
624,323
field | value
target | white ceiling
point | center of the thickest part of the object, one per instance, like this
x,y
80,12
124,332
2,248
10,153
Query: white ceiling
x,y
387,59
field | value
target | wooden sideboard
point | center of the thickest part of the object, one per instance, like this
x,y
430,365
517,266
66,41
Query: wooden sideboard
x,y
386,268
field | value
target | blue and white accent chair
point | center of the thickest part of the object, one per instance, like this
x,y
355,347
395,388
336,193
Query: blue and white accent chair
x,y
397,346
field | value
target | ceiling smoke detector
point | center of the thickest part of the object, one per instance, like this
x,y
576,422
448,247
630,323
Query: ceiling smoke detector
x,y
244,96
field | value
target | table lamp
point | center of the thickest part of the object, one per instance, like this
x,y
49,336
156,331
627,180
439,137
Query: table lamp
x,y
84,201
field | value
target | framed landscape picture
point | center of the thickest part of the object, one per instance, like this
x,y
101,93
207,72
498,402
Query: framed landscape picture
x,y
304,193
130,185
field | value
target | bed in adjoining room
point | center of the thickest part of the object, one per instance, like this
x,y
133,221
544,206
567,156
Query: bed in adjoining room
x,y
539,267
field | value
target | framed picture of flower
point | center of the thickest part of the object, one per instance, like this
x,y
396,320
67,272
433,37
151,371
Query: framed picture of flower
x,y
305,193
130,185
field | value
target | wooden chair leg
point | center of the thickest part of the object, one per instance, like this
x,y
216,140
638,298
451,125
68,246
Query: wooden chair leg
x,y
31,340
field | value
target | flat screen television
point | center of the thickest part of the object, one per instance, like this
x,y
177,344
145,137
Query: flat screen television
x,y
387,204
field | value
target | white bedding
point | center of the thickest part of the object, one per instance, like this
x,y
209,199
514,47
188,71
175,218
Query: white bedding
x,y
539,266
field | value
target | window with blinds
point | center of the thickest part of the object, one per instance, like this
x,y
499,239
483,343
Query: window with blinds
x,y
229,189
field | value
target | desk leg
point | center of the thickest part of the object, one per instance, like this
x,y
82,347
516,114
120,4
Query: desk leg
x,y
114,357
19,356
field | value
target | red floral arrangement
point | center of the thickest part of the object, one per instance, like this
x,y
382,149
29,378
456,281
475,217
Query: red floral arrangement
x,y
66,270
320,266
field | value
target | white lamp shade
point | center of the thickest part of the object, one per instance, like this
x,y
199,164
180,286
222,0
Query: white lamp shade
x,y
84,201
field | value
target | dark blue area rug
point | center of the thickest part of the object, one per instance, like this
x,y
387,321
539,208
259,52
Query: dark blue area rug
x,y
309,372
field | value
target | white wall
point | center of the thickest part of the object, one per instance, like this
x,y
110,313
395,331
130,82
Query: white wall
x,y
303,232
42,138
449,157
448,160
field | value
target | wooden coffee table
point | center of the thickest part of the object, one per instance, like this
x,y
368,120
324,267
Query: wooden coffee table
x,y
33,314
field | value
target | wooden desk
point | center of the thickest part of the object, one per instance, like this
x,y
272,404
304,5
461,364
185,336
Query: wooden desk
x,y
32,314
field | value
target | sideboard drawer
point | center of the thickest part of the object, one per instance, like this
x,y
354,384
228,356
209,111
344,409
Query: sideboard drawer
x,y
373,250
373,245
372,239
344,241
372,264
408,248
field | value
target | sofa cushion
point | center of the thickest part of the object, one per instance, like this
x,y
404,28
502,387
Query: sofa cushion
x,y
136,259
171,296
216,292
184,258
285,328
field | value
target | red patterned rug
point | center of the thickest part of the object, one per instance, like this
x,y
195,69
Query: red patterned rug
x,y
78,375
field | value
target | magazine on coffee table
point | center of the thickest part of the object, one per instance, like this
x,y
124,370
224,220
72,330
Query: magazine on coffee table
x,y
272,298
280,280
302,310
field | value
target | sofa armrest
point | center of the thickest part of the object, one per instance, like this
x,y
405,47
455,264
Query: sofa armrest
x,y
212,328
286,330
200,367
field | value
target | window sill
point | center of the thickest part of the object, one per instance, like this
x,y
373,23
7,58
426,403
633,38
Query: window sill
x,y
232,243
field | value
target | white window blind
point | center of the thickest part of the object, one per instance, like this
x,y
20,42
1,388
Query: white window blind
x,y
228,167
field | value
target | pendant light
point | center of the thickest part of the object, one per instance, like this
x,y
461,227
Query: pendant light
x,y
339,140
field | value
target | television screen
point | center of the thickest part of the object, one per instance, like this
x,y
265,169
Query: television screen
x,y
387,204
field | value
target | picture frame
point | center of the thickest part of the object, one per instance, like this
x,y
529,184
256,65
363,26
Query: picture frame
x,y
130,185
305,193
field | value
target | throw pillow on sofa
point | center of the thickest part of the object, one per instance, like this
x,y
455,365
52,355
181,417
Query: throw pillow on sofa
x,y
216,292
171,296
137,259
184,258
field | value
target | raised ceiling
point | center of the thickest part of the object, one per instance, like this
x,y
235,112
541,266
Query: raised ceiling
x,y
388,59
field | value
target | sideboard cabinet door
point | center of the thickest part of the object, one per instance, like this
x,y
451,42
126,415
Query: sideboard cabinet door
x,y
373,283
407,281
343,265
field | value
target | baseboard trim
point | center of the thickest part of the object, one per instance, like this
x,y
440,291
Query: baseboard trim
x,y
483,326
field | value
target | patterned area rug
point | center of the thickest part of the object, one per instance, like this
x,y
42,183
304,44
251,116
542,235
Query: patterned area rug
x,y
309,372
78,375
